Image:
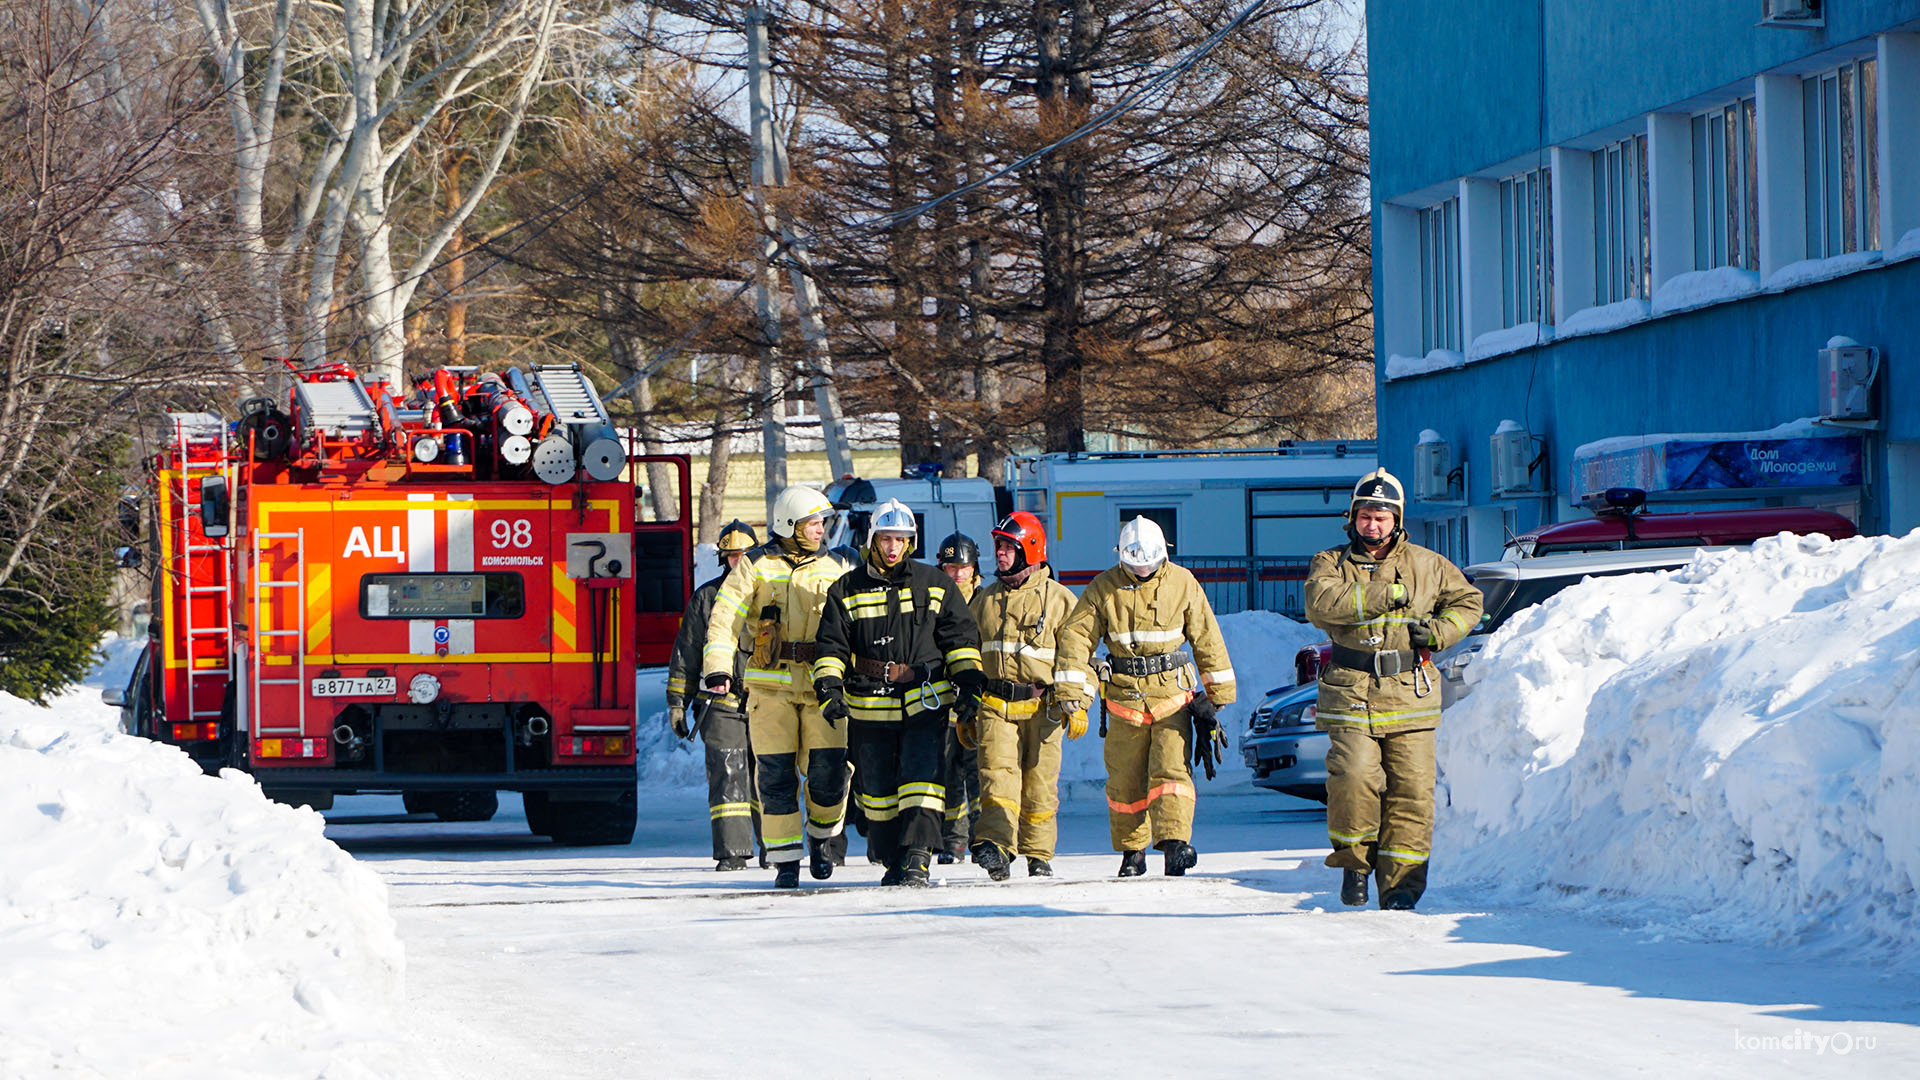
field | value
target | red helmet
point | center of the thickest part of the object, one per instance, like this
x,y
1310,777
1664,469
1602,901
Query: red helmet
x,y
1028,536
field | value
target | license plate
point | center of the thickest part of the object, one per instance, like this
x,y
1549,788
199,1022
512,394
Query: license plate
x,y
383,687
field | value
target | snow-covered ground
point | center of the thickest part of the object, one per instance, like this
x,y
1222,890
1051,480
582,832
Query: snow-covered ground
x,y
155,922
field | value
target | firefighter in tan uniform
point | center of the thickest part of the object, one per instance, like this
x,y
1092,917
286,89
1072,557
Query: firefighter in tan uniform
x,y
774,598
1018,729
720,721
1164,707
1388,604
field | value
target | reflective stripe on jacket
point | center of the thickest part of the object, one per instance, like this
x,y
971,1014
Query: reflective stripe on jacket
x,y
1148,617
1019,625
1350,596
914,615
767,576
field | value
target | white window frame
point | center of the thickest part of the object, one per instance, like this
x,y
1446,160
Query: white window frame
x,y
1622,237
1439,226
1726,186
1840,117
1446,535
1526,247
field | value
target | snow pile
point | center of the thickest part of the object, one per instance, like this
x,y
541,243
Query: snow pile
x,y
1604,317
1733,746
1700,288
1494,343
156,922
1407,367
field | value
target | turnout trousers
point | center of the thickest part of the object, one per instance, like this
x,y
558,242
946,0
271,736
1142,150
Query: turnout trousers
x,y
960,772
731,802
1020,781
791,742
1149,788
1380,805
896,781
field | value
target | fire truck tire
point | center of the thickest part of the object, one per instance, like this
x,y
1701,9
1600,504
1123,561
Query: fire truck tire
x,y
471,805
596,823
539,813
420,802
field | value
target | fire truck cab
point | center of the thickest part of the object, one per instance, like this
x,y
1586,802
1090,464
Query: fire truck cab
x,y
433,595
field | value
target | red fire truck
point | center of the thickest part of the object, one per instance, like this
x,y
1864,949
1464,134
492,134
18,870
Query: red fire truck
x,y
442,594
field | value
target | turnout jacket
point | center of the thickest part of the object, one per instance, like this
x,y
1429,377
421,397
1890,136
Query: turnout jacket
x,y
913,615
1351,597
683,667
1148,617
1019,625
771,576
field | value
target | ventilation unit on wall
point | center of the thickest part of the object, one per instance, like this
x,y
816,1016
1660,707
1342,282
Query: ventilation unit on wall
x,y
1847,373
1436,479
1801,14
1519,460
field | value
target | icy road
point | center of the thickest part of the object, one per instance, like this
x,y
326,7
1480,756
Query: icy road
x,y
529,960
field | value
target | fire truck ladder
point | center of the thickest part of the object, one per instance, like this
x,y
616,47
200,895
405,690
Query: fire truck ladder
x,y
260,586
187,430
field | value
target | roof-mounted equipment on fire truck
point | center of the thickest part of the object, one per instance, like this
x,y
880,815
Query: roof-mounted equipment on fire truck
x,y
575,404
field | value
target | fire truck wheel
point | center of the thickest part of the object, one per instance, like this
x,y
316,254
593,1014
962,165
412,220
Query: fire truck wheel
x,y
420,802
539,813
472,805
595,823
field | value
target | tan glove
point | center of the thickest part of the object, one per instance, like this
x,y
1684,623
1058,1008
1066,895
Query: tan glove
x,y
968,732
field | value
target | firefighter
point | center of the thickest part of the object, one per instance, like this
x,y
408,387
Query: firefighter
x,y
959,559
721,721
1388,604
1019,729
1164,707
773,597
897,646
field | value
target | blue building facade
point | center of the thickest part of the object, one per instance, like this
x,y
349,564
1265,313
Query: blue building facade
x,y
1614,237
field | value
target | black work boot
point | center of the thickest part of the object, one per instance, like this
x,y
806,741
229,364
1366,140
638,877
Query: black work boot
x,y
1180,856
820,861
786,875
955,851
913,868
993,859
1353,888
1394,900
731,862
1039,867
1133,863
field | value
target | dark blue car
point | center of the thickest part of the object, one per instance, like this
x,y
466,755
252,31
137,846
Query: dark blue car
x,y
1281,746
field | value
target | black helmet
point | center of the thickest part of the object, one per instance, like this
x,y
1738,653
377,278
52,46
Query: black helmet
x,y
958,550
737,536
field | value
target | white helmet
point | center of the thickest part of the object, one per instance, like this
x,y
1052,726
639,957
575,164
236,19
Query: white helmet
x,y
1382,489
1142,547
795,505
893,516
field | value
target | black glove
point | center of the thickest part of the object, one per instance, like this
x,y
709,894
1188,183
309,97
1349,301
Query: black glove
x,y
718,684
1426,637
1206,734
967,708
969,682
833,699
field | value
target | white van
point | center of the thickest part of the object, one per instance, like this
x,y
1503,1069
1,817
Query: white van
x,y
942,507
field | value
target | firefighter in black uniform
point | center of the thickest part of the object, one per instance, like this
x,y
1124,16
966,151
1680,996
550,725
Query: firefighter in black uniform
x,y
720,721
959,559
897,647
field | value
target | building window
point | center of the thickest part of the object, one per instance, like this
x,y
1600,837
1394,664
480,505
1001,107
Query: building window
x,y
1526,248
1440,276
1621,250
1447,535
1167,517
1843,177
1726,189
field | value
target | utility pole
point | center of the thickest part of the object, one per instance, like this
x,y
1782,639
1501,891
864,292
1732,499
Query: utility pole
x,y
773,420
770,170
